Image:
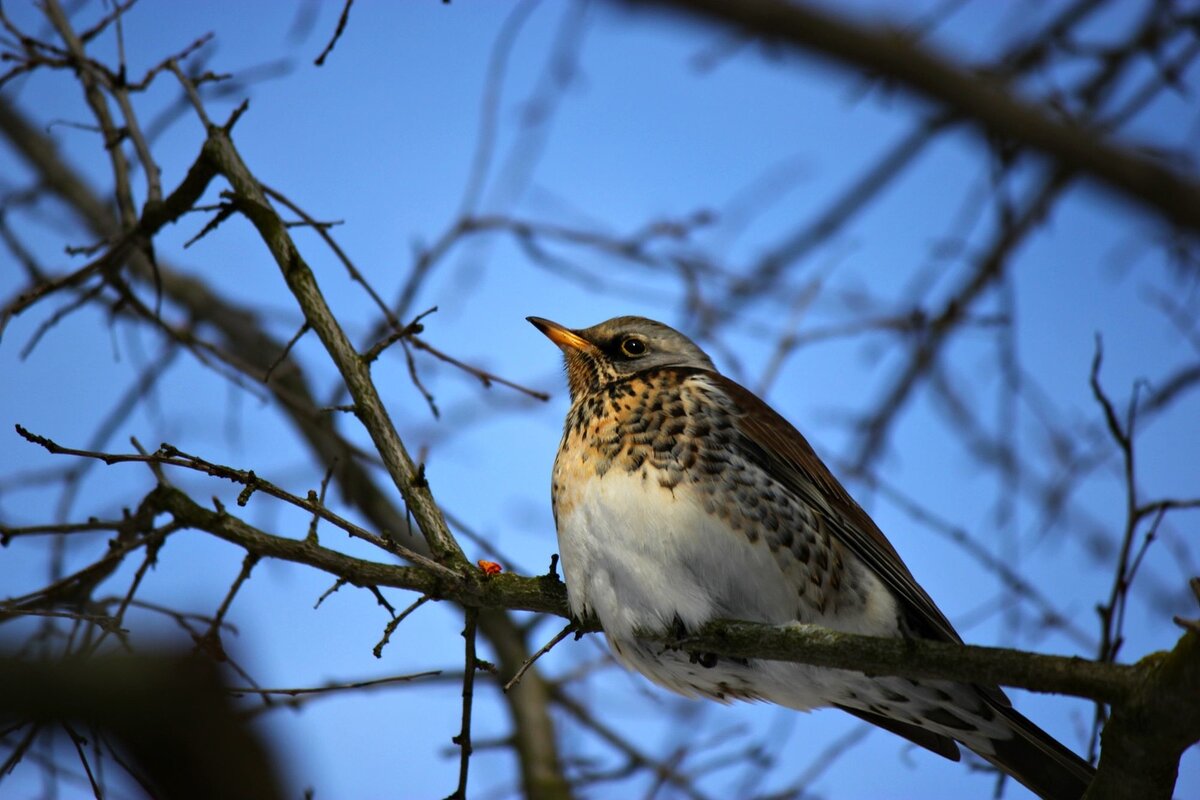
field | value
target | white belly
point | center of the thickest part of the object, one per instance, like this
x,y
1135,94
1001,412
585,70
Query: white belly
x,y
637,556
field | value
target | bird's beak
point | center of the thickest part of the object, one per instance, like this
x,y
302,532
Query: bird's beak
x,y
565,338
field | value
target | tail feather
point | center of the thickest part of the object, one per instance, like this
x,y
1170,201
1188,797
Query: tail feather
x,y
1037,760
934,742
982,720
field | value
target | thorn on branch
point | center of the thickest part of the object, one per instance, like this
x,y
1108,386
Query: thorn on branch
x,y
1110,413
86,249
381,600
311,536
318,502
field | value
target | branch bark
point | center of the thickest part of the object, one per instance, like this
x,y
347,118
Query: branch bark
x,y
1111,683
256,352
1146,735
368,406
1156,703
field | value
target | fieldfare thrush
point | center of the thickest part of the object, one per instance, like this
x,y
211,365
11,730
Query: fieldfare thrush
x,y
680,497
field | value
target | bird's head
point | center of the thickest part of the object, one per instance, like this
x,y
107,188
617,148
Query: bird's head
x,y
617,348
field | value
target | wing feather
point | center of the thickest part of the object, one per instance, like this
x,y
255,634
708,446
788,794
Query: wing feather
x,y
776,446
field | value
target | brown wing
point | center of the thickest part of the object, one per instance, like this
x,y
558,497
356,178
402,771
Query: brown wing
x,y
780,449
1030,755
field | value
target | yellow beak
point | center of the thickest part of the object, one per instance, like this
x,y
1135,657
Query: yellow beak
x,y
565,338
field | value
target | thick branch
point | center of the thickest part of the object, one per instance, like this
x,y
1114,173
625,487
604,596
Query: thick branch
x,y
912,658
498,591
252,346
1147,734
355,370
987,102
1111,683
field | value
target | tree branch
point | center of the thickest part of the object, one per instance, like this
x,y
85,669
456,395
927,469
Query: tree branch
x,y
172,715
1111,683
355,370
987,102
256,351
1147,734
1156,703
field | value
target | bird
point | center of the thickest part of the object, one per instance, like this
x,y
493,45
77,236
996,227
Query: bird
x,y
680,497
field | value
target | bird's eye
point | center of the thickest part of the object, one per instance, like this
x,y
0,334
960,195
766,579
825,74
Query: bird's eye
x,y
633,347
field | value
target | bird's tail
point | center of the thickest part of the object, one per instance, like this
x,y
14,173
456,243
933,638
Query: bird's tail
x,y
1037,760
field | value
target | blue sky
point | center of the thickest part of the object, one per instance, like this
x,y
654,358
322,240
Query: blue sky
x,y
382,137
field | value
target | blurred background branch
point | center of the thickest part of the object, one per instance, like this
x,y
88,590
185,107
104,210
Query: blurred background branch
x,y
910,238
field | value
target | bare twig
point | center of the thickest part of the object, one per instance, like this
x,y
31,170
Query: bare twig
x,y
337,34
395,623
171,456
463,739
546,648
334,687
210,641
286,351
486,378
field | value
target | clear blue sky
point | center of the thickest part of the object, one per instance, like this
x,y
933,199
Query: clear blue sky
x,y
383,138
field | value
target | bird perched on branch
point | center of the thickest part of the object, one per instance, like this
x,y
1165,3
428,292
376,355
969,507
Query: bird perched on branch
x,y
680,498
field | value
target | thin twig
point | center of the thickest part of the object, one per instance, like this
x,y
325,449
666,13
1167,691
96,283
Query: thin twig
x,y
395,623
558,637
319,499
330,688
463,739
287,349
323,232
172,456
210,641
337,34
396,334
485,377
